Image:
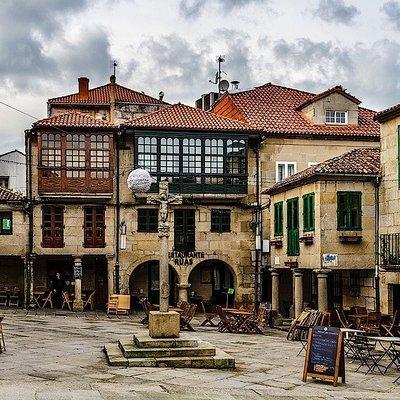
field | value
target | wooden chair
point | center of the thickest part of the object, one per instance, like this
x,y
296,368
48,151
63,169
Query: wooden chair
x,y
257,320
48,299
89,301
67,301
112,305
187,316
373,324
208,316
2,342
326,319
226,324
394,328
342,318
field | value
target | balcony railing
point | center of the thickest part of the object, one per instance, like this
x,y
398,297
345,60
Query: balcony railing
x,y
390,251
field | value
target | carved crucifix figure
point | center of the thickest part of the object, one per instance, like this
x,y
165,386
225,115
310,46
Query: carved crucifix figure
x,y
164,199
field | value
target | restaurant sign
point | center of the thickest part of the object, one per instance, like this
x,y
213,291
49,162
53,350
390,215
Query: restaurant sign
x,y
185,257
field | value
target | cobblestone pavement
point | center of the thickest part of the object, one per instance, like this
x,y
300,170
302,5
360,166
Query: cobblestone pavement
x,y
59,356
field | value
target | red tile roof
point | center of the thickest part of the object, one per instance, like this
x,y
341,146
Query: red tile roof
x,y
182,117
73,120
389,113
361,162
9,195
101,95
274,110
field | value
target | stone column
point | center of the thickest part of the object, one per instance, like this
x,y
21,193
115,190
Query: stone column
x,y
275,290
163,234
78,303
298,292
183,291
322,275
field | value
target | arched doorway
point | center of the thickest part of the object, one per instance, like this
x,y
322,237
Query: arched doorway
x,y
144,282
211,280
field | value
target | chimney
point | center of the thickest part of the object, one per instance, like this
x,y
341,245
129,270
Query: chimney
x,y
113,79
161,96
83,87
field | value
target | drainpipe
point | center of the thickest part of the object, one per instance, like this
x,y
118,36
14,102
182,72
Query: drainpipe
x,y
117,214
258,246
28,268
377,246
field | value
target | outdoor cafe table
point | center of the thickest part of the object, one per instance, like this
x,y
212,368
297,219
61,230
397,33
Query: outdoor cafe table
x,y
241,319
387,343
348,344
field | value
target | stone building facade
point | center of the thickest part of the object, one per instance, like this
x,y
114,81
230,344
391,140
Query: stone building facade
x,y
389,202
323,226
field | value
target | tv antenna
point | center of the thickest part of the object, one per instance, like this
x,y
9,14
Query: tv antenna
x,y
223,85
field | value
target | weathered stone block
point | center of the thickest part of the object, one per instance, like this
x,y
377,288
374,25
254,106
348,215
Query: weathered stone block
x,y
164,324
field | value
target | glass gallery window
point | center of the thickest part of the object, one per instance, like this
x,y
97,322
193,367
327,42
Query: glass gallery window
x,y
195,164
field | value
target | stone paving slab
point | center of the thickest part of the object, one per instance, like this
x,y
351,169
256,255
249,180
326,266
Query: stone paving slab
x,y
60,357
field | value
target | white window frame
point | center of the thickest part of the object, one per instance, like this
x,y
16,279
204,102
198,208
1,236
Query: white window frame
x,y
286,165
336,112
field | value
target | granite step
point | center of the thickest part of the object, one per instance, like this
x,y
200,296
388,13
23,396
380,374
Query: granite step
x,y
145,341
220,360
131,350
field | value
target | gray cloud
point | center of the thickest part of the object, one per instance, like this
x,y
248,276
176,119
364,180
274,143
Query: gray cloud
x,y
336,11
392,12
193,8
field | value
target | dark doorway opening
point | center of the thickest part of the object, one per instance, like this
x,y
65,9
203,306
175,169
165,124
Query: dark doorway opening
x,y
396,297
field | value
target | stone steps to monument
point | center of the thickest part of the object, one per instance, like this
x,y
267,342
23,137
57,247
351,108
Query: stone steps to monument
x,y
220,360
145,341
131,350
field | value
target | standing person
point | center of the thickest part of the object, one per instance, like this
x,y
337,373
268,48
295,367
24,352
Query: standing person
x,y
58,287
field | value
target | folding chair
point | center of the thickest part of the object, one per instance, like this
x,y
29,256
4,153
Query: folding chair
x,y
208,316
48,299
225,323
187,316
66,301
342,318
2,342
14,298
256,320
394,328
3,298
89,301
366,353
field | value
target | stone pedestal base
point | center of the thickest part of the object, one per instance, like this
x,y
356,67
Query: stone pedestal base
x,y
164,324
78,305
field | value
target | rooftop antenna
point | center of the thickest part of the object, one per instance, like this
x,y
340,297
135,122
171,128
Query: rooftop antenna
x,y
115,65
223,85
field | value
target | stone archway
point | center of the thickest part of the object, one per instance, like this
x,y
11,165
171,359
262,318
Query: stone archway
x,y
144,282
210,280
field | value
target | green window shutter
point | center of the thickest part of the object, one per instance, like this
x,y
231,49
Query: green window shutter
x,y
293,246
308,212
349,211
278,219
341,210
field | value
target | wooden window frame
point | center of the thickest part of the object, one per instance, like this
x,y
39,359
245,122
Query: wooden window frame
x,y
9,216
144,217
220,220
345,220
52,225
184,234
93,225
278,218
309,212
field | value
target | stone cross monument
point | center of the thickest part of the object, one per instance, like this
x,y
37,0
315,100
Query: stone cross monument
x,y
164,199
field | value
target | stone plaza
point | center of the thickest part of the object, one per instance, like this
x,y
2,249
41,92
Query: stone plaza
x,y
58,355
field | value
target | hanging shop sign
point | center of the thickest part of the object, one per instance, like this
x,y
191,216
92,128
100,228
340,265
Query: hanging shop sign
x,y
185,257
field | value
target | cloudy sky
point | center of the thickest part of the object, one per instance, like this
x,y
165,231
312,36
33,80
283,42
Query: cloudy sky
x,y
171,45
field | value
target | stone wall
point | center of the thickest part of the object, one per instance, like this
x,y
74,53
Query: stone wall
x,y
15,244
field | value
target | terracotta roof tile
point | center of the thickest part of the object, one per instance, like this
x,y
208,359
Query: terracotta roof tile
x,y
180,116
389,113
273,109
361,161
72,119
101,95
10,195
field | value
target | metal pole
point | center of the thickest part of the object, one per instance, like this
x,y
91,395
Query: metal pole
x,y
377,248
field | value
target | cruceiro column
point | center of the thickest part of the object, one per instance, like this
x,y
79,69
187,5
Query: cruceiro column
x,y
322,275
275,290
298,292
78,303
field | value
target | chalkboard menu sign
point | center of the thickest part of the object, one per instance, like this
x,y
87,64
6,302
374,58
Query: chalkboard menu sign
x,y
325,354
